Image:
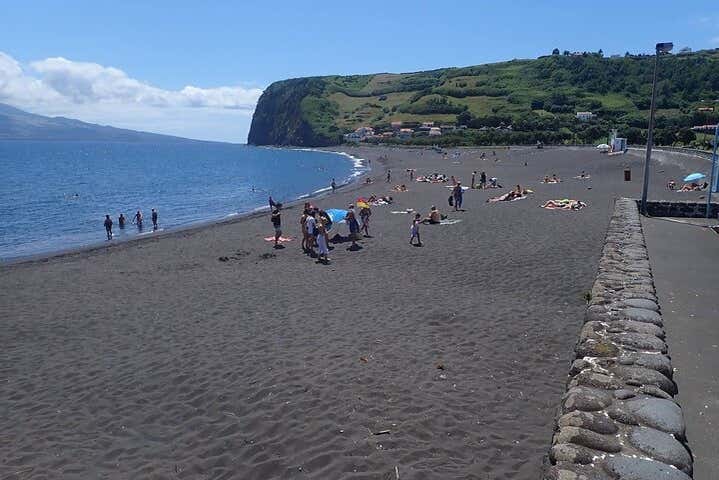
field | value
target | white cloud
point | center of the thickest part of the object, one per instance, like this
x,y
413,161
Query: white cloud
x,y
96,93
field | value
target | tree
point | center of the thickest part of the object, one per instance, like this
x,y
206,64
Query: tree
x,y
555,51
464,118
686,136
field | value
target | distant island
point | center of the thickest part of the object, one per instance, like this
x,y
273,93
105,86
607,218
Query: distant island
x,y
561,98
16,124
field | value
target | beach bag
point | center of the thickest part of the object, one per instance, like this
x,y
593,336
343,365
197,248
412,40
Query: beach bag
x,y
450,200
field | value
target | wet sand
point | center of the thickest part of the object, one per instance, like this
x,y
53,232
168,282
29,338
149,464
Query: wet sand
x,y
153,359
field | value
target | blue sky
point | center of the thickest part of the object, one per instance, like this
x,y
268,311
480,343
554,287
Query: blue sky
x,y
129,63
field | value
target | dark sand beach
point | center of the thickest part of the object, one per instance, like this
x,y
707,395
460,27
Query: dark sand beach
x,y
154,359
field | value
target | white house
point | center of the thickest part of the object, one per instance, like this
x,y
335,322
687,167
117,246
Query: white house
x,y
584,116
435,131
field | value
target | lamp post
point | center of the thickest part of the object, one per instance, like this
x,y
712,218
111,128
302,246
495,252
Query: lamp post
x,y
713,182
660,48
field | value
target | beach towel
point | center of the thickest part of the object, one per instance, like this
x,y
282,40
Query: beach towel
x,y
282,239
564,204
450,221
503,198
450,186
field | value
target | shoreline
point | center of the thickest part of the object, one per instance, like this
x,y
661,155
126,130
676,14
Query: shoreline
x,y
343,150
101,245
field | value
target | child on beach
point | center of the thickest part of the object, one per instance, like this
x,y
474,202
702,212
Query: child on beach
x,y
414,230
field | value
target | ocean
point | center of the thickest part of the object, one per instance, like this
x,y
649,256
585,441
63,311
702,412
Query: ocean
x,y
55,195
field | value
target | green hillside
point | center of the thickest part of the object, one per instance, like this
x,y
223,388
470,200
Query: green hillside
x,y
515,102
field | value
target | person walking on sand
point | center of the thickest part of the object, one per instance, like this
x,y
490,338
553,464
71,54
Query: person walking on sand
x,y
389,175
333,185
365,213
154,219
323,250
108,227
457,194
474,175
277,223
414,230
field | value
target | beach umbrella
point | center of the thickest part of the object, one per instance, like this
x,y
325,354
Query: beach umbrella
x,y
336,215
693,177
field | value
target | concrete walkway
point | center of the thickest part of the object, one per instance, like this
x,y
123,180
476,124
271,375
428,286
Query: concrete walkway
x,y
685,264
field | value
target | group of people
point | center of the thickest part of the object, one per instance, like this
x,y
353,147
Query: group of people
x,y
315,225
137,219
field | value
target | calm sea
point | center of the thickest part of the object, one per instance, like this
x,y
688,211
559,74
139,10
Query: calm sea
x,y
54,195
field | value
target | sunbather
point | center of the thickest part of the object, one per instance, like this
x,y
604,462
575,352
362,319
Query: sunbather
x,y
434,216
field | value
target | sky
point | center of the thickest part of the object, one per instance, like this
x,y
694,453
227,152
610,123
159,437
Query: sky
x,y
196,69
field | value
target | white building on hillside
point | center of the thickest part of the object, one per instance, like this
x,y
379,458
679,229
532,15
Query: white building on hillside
x,y
584,116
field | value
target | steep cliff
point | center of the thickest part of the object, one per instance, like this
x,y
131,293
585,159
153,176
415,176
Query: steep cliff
x,y
291,112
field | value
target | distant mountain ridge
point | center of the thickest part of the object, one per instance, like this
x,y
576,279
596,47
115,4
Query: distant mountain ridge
x,y
16,124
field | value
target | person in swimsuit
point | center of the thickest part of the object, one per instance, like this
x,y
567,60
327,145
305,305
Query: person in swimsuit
x,y
137,220
108,227
154,219
364,216
121,221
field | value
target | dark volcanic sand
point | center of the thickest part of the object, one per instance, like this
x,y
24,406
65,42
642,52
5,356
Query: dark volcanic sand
x,y
154,359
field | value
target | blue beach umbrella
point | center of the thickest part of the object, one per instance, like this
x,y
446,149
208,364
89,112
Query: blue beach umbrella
x,y
694,177
336,215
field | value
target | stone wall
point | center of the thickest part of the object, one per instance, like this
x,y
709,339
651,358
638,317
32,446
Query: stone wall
x,y
682,209
618,418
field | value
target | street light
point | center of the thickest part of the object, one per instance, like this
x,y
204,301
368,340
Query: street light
x,y
665,47
713,182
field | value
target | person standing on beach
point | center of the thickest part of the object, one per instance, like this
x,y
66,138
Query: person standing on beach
x,y
389,175
108,227
154,219
365,213
333,185
353,225
277,223
482,180
457,194
311,229
322,242
474,174
414,230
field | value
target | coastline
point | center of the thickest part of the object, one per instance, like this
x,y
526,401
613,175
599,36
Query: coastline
x,y
361,170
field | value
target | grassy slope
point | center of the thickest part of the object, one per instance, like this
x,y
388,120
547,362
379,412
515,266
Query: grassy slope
x,y
541,94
